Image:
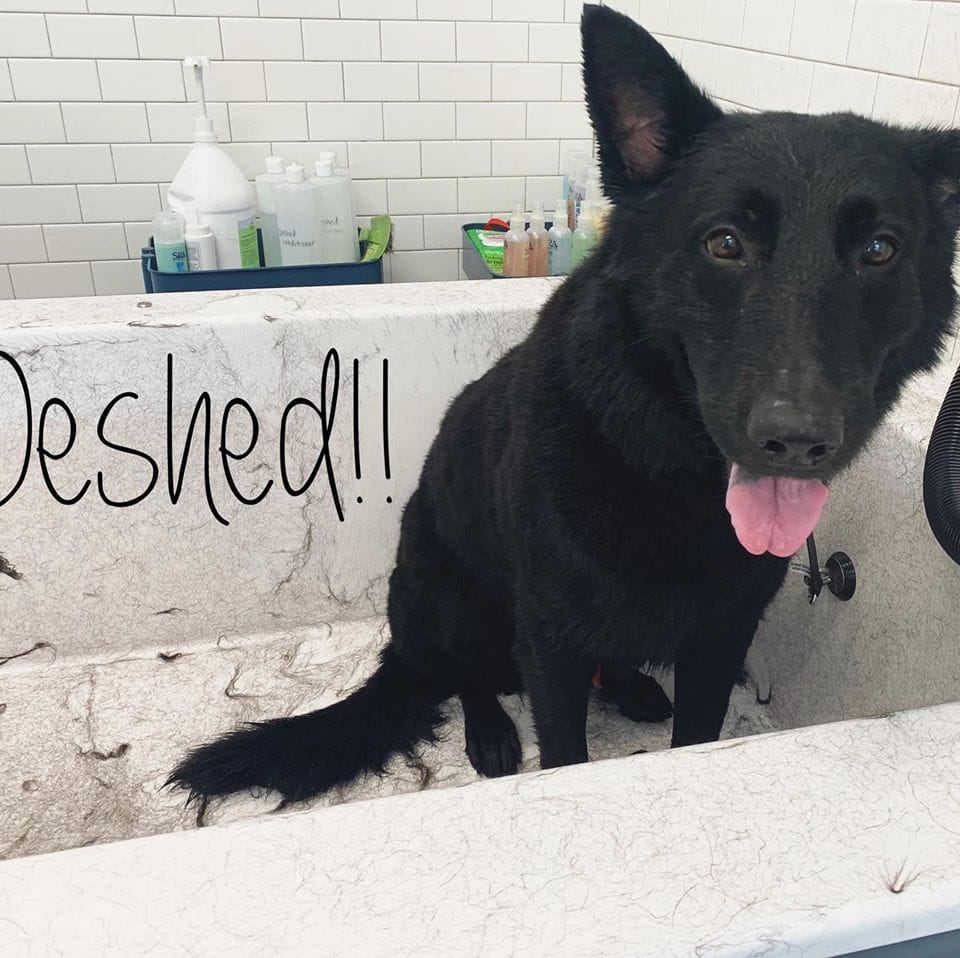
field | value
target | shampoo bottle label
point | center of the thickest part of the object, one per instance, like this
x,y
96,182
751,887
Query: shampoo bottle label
x,y
249,248
171,257
296,245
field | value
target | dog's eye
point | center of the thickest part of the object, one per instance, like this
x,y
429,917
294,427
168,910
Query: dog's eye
x,y
724,244
881,249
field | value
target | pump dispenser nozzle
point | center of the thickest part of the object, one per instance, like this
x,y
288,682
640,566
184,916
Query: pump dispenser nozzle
x,y
203,131
516,245
211,185
538,217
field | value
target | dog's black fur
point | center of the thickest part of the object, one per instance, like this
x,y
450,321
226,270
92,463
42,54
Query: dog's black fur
x,y
571,510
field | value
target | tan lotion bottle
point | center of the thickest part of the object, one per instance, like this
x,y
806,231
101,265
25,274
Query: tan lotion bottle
x,y
516,245
539,243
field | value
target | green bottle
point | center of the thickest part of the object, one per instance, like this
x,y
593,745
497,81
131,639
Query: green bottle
x,y
584,236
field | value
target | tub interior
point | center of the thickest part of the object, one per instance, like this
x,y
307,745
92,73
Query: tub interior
x,y
135,632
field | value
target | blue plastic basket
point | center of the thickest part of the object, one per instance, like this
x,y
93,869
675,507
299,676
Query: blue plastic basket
x,y
474,265
263,277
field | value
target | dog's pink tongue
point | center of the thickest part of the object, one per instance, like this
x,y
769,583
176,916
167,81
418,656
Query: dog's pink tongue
x,y
774,514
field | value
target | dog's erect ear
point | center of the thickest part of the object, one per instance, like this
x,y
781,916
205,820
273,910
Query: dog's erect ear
x,y
644,108
938,153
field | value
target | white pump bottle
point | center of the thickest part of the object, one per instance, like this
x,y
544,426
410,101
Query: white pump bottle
x,y
339,242
211,189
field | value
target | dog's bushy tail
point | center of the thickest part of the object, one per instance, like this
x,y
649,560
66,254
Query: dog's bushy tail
x,y
306,755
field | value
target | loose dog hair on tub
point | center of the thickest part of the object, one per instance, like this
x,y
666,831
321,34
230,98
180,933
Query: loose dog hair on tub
x,y
625,487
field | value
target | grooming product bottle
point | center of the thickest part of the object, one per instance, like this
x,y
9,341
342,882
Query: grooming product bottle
x,y
339,242
516,246
201,247
210,185
168,242
297,221
579,187
266,184
538,255
584,237
559,242
573,161
599,204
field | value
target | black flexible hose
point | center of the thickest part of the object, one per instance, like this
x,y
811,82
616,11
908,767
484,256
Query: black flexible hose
x,y
941,474
815,576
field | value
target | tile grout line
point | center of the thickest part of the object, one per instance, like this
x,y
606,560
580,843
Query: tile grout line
x,y
793,20
923,47
853,24
136,37
9,71
828,63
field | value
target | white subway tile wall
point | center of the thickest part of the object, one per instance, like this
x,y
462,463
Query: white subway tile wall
x,y
448,111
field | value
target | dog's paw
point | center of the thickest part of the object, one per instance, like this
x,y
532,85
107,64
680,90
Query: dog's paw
x,y
492,744
638,697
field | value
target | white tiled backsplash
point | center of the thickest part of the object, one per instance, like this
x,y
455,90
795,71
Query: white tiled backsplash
x,y
446,110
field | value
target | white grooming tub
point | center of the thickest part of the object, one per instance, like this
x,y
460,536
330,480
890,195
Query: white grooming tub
x,y
131,633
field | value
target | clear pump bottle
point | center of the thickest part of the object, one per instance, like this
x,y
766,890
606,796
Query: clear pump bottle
x,y
599,204
578,188
168,242
266,184
584,237
537,233
573,161
297,221
516,246
339,241
559,242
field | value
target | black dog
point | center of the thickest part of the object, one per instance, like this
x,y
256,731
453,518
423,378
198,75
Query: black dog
x,y
766,285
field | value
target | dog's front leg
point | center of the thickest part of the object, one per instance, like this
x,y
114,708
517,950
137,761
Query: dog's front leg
x,y
558,686
705,672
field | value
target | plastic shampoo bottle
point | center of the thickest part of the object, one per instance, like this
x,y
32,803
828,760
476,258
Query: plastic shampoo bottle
x,y
516,247
297,221
537,262
201,247
559,241
339,242
267,201
212,187
574,160
578,187
584,238
168,242
599,204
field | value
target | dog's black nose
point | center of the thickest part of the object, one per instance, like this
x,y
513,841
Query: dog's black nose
x,y
789,435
